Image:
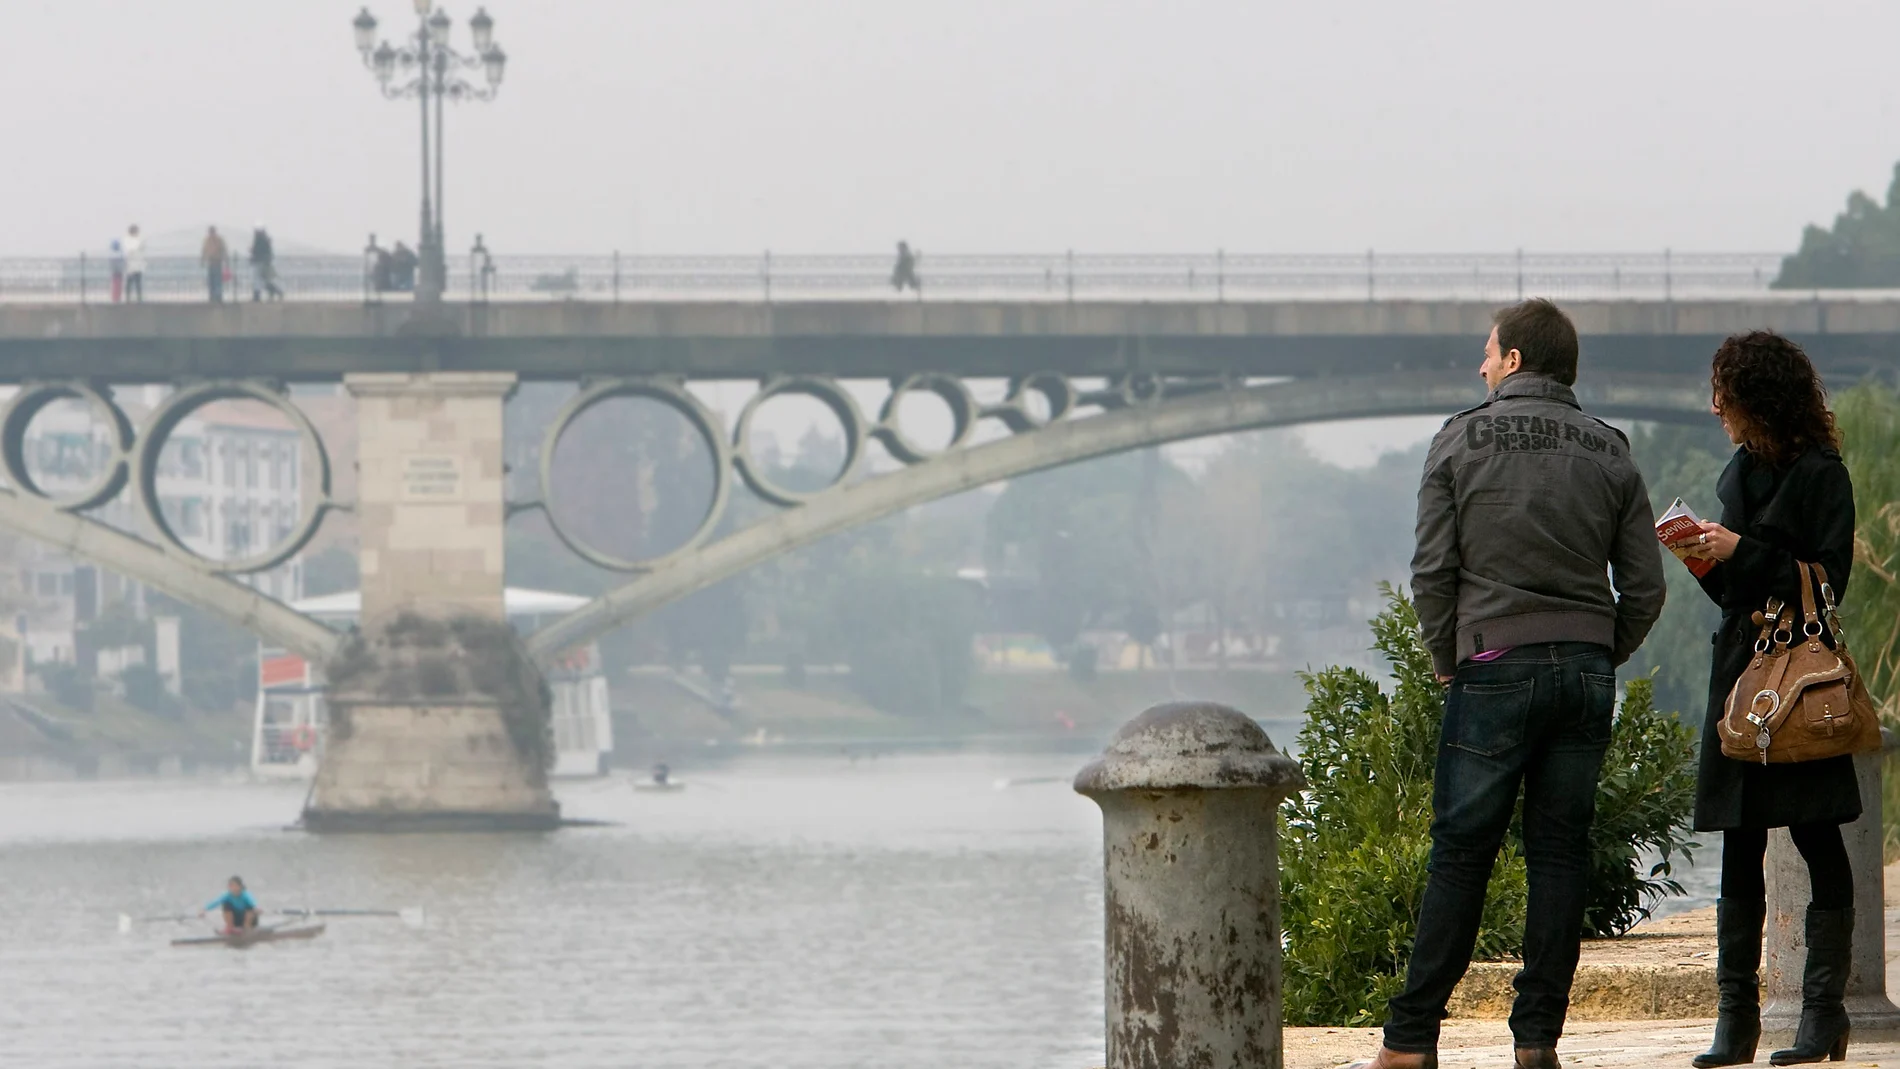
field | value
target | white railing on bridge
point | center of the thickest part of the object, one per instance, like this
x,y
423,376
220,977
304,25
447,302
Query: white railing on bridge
x,y
1060,276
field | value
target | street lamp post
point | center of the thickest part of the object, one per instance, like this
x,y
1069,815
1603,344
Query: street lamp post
x,y
430,69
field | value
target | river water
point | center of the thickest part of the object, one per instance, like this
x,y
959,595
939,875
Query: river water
x,y
781,911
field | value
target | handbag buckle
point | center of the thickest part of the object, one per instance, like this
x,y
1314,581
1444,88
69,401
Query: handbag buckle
x,y
1774,706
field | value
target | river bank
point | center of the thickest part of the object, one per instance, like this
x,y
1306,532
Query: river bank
x,y
664,715
655,709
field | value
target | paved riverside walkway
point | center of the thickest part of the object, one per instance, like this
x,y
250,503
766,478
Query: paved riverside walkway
x,y
1484,1044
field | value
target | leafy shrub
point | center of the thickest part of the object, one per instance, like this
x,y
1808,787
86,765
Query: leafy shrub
x,y
1083,658
145,689
1356,843
1644,799
68,685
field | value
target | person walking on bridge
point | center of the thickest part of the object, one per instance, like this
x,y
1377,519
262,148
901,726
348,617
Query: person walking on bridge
x,y
133,246
905,272
1537,573
263,266
215,256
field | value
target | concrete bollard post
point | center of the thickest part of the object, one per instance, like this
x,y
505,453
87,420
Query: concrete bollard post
x,y
1189,794
1788,892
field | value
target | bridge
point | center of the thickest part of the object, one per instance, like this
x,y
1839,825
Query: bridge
x,y
1085,378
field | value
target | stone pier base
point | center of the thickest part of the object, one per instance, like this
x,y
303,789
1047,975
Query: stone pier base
x,y
420,766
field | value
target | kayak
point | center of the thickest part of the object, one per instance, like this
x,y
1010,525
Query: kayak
x,y
254,936
661,787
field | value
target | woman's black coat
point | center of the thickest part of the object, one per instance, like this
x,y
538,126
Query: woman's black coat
x,y
1802,512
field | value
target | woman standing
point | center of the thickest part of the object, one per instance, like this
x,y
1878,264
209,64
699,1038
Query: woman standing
x,y
1786,497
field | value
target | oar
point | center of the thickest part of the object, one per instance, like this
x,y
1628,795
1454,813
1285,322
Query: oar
x,y
126,922
413,916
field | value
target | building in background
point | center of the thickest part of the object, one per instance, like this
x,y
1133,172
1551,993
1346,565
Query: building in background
x,y
230,485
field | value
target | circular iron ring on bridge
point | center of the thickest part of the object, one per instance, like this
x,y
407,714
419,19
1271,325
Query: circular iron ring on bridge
x,y
1014,411
826,392
948,388
674,396
178,408
1139,388
28,404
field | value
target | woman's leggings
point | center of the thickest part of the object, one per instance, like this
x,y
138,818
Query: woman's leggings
x,y
1829,874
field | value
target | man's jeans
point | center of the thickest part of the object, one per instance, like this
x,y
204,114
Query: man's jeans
x,y
1538,716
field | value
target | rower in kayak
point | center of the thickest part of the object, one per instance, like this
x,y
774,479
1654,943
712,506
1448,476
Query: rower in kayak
x,y
240,909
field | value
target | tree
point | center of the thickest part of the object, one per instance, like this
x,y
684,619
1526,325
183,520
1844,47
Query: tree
x,y
1079,532
907,637
1869,419
1861,250
1292,534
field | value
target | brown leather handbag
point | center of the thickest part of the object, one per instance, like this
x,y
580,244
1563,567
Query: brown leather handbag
x,y
1798,700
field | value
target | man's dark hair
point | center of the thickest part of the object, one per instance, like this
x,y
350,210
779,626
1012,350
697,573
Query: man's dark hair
x,y
1543,335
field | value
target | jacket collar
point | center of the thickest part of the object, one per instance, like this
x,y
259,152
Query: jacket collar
x,y
1528,384
1748,481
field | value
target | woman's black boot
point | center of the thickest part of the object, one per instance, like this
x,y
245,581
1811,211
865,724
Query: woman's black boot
x,y
1823,1030
1738,985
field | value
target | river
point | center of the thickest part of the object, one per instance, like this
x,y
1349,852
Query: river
x,y
781,911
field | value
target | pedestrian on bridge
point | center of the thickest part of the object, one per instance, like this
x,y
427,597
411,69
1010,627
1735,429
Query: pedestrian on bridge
x,y
1537,573
263,266
117,265
905,272
134,248
402,268
215,256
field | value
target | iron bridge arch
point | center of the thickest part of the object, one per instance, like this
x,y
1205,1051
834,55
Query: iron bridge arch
x,y
1041,413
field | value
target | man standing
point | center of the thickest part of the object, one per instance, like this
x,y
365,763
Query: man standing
x,y
1527,509
214,255
134,248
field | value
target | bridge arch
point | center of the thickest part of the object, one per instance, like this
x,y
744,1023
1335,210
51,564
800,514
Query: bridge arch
x,y
169,572
1633,396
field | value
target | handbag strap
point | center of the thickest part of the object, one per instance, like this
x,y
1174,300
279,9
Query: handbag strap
x,y
1811,617
1832,607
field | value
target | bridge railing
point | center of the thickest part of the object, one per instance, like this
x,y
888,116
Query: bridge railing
x,y
1061,276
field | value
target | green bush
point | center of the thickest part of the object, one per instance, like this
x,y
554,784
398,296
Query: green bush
x,y
68,685
1356,843
145,689
1643,804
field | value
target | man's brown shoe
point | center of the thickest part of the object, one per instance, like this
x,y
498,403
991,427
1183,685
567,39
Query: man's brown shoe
x,y
1537,1058
1392,1059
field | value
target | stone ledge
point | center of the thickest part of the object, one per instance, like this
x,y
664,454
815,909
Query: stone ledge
x,y
1601,992
1663,970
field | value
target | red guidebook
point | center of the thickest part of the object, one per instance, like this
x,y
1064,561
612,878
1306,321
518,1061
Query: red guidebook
x,y
1679,522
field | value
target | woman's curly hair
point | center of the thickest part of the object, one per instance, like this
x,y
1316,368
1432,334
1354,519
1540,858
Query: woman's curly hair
x,y
1771,394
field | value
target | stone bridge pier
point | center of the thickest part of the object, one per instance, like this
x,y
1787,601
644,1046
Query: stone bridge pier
x,y
438,718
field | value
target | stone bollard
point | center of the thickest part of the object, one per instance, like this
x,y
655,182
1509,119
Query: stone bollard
x,y
1786,952
1189,794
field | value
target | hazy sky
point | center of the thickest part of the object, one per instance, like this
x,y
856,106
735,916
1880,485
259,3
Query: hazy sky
x,y
969,125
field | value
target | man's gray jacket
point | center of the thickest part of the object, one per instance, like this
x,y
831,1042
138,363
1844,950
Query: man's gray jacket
x,y
1526,507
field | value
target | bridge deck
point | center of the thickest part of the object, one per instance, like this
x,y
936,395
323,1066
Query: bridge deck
x,y
559,340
